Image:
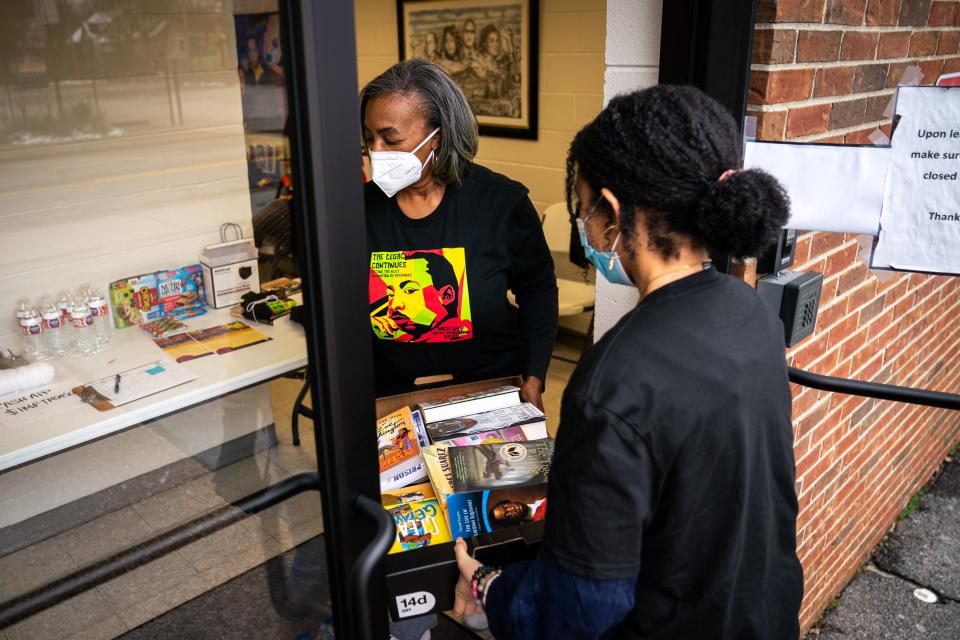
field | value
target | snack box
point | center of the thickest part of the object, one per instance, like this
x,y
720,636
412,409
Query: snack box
x,y
164,327
181,291
135,300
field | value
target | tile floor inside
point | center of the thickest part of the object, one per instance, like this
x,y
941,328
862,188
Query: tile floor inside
x,y
131,600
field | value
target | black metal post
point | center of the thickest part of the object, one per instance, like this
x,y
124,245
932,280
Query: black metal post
x,y
329,217
709,44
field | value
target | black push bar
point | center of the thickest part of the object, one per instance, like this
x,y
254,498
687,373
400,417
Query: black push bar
x,y
368,559
875,390
86,578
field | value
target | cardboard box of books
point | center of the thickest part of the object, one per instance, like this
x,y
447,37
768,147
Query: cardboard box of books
x,y
468,460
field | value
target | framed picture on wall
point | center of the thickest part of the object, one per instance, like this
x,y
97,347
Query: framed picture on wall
x,y
489,47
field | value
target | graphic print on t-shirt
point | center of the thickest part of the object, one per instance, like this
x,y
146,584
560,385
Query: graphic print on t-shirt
x,y
420,296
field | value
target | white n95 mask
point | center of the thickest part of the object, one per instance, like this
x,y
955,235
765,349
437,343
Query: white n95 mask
x,y
394,171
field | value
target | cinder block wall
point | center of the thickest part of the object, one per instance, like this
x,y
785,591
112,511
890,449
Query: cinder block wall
x,y
825,71
571,57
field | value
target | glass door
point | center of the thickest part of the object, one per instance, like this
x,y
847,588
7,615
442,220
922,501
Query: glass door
x,y
158,477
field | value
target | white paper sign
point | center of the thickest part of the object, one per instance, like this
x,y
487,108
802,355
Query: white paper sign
x,y
920,225
831,187
39,404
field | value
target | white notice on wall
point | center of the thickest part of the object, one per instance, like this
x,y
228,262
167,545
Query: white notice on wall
x,y
831,187
920,223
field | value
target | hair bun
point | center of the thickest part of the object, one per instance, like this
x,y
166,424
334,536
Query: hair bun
x,y
742,215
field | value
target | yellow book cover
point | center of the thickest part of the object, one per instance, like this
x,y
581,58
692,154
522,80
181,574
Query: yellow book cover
x,y
413,493
396,438
437,460
419,524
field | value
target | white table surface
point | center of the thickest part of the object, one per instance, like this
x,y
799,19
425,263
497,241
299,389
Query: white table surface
x,y
132,347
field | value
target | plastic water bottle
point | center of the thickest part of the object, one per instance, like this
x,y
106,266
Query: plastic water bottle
x,y
101,317
23,309
84,335
31,331
64,303
54,331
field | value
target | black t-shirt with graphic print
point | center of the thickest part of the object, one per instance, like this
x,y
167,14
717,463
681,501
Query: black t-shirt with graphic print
x,y
438,285
674,464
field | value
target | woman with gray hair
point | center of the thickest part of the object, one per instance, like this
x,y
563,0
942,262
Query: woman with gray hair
x,y
448,238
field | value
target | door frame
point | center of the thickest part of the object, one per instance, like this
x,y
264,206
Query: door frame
x,y
328,213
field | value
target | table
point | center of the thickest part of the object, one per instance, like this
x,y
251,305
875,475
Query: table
x,y
48,463
217,375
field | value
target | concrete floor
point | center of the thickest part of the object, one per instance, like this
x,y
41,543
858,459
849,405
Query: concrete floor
x,y
922,552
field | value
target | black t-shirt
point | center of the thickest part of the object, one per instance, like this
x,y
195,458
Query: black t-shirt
x,y
438,285
674,463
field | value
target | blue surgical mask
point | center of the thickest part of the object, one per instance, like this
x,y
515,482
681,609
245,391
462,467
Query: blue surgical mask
x,y
608,263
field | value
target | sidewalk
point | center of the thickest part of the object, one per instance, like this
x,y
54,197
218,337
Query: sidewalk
x,y
922,552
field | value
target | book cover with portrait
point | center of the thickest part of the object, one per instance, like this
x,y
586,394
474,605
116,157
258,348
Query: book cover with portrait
x,y
475,512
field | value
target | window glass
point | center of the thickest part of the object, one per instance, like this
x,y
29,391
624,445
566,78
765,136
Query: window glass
x,y
144,184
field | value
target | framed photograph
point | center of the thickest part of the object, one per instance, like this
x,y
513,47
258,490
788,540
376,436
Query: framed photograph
x,y
489,47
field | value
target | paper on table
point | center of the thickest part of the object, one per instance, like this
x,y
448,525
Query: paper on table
x,y
137,383
920,226
219,340
182,347
229,337
831,187
37,404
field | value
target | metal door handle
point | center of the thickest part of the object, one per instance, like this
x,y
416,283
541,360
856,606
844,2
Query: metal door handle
x,y
368,559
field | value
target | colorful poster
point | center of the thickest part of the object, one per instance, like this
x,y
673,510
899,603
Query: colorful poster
x,y
420,296
181,347
229,337
221,339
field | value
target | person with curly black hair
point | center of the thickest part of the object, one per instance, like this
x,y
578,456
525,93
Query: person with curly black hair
x,y
672,508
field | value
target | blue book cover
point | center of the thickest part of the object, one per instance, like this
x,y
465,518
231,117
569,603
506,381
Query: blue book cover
x,y
474,512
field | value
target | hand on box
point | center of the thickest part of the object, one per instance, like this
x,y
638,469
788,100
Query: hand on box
x,y
532,391
464,603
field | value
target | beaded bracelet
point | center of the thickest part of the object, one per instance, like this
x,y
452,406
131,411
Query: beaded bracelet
x,y
484,587
478,575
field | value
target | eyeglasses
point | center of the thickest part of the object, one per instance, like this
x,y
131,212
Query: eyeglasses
x,y
578,210
582,222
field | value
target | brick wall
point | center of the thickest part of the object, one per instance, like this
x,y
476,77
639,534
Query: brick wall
x,y
825,71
